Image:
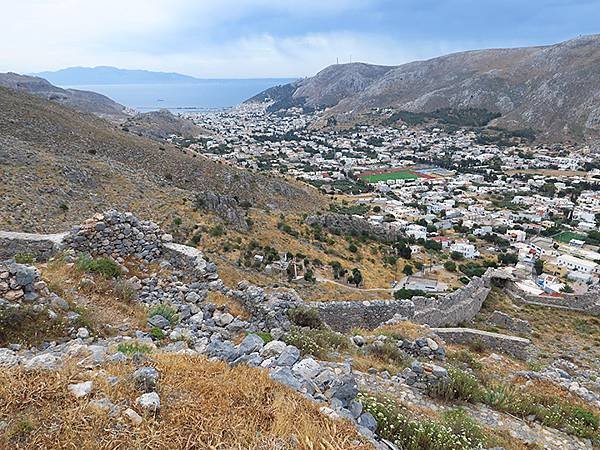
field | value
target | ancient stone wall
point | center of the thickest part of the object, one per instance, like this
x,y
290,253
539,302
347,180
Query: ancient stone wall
x,y
116,235
448,310
39,246
588,303
343,316
514,346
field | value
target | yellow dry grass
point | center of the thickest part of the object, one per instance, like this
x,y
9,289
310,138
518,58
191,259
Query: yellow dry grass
x,y
233,305
99,302
204,405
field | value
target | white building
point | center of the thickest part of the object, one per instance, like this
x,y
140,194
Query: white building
x,y
573,263
467,250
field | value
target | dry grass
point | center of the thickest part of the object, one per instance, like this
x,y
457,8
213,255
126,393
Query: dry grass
x,y
100,302
205,405
233,305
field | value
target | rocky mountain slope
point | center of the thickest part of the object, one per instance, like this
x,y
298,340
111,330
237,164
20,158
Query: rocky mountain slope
x,y
84,101
58,165
554,89
161,124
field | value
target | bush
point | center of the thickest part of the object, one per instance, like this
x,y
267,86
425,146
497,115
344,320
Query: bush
x,y
103,266
24,258
167,311
550,410
157,333
455,431
131,348
477,346
460,385
450,266
465,357
217,231
124,290
389,353
305,317
407,293
317,342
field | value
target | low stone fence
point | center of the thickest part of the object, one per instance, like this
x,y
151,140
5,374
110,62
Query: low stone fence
x,y
40,246
343,316
517,347
588,303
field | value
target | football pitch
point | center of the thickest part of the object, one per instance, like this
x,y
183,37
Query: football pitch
x,y
401,175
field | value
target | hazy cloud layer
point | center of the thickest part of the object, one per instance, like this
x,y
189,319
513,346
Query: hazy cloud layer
x,y
261,38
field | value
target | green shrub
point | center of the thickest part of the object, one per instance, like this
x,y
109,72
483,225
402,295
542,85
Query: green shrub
x,y
403,293
460,385
102,266
157,333
24,258
455,431
217,231
165,310
465,357
477,346
551,411
305,317
131,348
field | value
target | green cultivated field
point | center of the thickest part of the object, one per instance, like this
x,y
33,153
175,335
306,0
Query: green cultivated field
x,y
566,237
389,176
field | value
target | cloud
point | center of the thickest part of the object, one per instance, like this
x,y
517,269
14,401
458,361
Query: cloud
x,y
257,38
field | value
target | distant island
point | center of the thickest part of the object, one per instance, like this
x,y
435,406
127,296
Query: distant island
x,y
82,76
111,75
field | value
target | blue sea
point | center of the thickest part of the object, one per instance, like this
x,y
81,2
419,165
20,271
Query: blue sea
x,y
205,95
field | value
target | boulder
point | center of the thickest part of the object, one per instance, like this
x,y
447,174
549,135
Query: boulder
x,y
149,402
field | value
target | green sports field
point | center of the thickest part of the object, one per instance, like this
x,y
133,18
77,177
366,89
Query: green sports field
x,y
566,237
402,175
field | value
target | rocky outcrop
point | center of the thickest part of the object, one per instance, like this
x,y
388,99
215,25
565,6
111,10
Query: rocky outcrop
x,y
226,207
160,125
355,226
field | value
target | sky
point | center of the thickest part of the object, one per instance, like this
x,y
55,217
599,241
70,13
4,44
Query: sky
x,y
272,38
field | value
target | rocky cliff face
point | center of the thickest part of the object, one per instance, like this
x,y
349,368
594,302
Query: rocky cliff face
x,y
554,89
84,101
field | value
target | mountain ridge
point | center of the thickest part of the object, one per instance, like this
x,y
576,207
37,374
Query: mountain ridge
x,y
84,101
553,89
